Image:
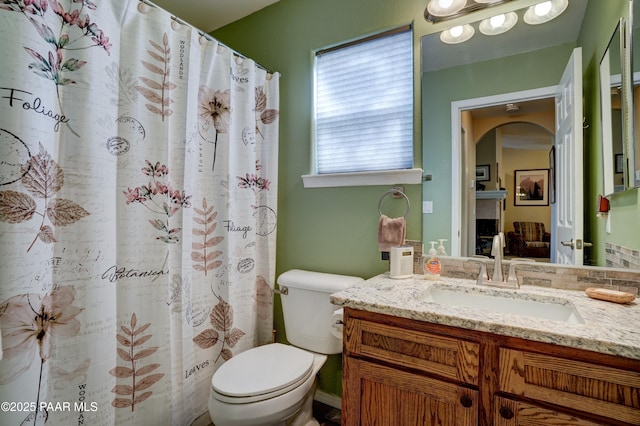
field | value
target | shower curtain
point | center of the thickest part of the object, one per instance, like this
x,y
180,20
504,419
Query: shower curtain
x,y
138,176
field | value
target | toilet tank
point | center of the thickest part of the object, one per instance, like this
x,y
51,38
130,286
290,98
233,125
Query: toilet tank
x,y
307,309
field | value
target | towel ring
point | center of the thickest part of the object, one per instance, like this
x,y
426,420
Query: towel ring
x,y
394,192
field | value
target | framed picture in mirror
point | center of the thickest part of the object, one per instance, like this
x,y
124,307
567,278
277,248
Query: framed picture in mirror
x,y
531,187
483,173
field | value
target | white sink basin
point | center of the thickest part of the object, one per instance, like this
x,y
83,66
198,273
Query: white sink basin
x,y
509,302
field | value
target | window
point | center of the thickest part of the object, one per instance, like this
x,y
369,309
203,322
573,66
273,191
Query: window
x,y
364,105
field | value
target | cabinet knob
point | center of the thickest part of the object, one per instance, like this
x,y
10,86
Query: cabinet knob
x,y
466,401
506,413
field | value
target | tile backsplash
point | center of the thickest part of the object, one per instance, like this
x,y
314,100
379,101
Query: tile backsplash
x,y
622,257
546,274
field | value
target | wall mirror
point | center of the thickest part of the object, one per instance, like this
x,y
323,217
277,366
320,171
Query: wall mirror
x,y
613,116
484,67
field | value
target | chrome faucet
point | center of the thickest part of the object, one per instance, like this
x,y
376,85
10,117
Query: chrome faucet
x,y
498,279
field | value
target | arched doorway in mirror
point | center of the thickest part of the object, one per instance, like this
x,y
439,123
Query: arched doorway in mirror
x,y
511,146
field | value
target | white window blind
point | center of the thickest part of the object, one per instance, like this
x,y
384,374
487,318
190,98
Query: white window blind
x,y
364,105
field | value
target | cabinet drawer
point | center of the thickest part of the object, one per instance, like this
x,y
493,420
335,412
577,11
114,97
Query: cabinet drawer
x,y
591,388
447,357
508,412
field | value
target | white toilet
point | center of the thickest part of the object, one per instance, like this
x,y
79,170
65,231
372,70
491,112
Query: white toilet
x,y
274,384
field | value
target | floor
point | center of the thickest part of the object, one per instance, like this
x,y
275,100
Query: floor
x,y
326,415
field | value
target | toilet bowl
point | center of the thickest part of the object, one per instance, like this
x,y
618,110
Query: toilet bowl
x,y
270,385
274,384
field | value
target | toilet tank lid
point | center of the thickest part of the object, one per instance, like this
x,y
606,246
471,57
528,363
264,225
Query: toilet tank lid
x,y
320,281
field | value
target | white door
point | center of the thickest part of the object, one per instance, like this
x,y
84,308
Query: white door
x,y
567,237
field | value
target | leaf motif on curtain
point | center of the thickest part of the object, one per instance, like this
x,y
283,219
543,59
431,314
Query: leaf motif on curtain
x,y
263,298
75,32
130,339
204,260
42,177
221,317
160,198
264,115
157,92
122,84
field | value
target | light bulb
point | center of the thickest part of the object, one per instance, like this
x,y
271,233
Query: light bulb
x,y
541,9
497,21
456,31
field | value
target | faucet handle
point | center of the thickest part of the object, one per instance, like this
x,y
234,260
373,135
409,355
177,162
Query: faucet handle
x,y
482,275
512,278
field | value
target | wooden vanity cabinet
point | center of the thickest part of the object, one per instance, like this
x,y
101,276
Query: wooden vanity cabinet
x,y
395,375
404,372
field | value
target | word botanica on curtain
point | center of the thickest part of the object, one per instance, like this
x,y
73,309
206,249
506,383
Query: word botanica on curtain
x,y
138,178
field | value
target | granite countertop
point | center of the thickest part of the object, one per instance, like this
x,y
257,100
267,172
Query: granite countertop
x,y
608,328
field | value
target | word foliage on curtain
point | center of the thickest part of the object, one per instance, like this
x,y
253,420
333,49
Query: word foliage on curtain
x,y
138,177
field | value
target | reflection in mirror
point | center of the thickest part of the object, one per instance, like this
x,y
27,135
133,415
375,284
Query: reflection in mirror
x,y
612,116
467,61
634,158
516,143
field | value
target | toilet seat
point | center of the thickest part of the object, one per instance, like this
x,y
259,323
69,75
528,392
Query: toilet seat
x,y
261,373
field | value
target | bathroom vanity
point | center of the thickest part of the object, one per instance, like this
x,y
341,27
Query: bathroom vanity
x,y
419,352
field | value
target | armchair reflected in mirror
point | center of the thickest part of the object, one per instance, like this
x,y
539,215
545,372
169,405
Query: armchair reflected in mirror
x,y
529,239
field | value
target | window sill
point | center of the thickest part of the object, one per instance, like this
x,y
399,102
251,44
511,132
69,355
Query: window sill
x,y
384,177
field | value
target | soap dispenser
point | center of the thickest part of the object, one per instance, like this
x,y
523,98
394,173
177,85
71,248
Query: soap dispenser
x,y
432,250
431,264
441,250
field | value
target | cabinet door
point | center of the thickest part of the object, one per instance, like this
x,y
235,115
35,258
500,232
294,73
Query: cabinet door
x,y
517,413
608,392
447,357
376,395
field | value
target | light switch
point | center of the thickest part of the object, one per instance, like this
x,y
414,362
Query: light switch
x,y
427,207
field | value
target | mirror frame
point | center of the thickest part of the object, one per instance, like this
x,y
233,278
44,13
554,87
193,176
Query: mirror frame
x,y
628,143
607,81
629,172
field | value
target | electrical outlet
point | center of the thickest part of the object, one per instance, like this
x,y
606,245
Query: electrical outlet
x,y
427,207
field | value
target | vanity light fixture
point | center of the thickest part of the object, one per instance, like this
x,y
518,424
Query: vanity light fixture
x,y
545,11
445,7
498,24
441,10
458,34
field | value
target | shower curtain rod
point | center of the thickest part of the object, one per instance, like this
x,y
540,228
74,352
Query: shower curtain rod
x,y
205,35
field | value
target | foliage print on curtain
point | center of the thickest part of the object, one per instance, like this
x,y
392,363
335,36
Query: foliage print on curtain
x,y
138,176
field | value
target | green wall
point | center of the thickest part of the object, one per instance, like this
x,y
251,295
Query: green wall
x,y
334,229
322,229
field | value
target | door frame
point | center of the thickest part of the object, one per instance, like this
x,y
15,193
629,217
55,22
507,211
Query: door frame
x,y
457,158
